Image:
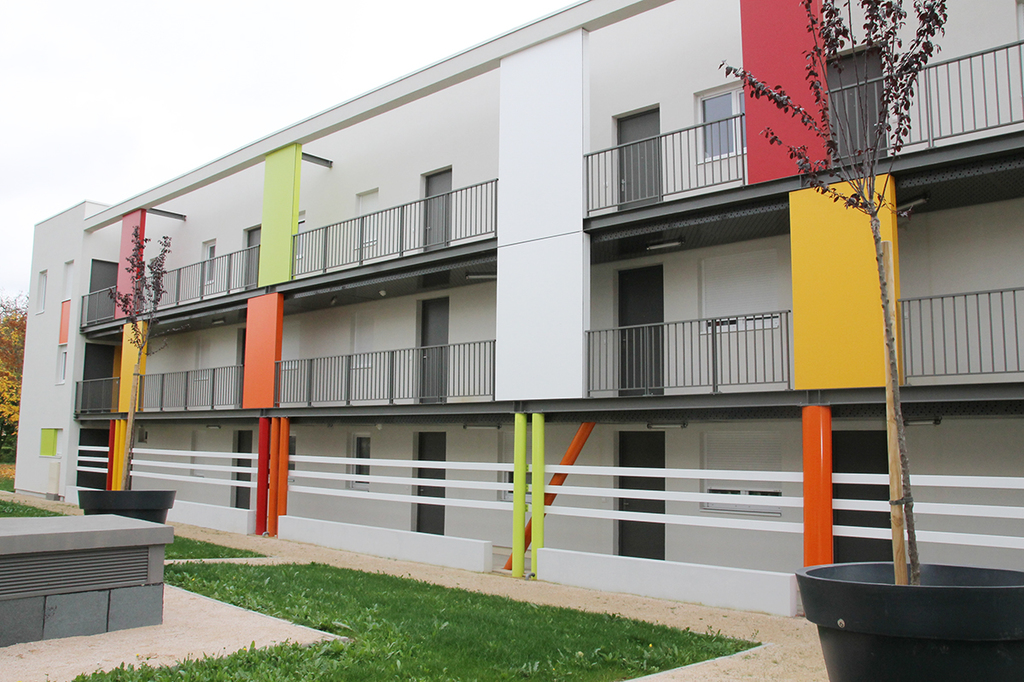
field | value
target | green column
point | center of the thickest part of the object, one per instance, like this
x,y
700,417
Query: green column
x,y
281,172
519,498
537,490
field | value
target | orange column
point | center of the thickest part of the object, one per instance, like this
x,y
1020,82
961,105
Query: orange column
x,y
282,466
275,427
263,323
817,436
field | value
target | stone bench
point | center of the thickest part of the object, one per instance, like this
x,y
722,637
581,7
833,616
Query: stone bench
x,y
64,576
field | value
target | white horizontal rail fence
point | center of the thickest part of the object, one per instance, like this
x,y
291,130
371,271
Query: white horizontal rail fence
x,y
197,475
742,512
92,460
467,485
968,520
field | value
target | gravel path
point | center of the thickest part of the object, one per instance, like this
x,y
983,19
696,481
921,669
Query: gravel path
x,y
791,651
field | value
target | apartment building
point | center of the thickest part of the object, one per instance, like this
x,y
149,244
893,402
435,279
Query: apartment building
x,y
577,221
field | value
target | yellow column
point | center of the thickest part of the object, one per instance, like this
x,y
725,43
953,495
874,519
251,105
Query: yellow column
x,y
129,353
519,498
281,175
537,490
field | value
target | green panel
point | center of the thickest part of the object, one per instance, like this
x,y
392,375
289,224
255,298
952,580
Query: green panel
x,y
48,442
280,214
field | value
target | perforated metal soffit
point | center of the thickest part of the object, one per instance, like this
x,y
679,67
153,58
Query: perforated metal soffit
x,y
966,184
695,231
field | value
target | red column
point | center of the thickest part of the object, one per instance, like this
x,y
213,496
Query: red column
x,y
817,433
273,478
128,225
262,476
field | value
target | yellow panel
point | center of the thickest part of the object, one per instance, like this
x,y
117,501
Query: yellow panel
x,y
837,309
48,442
281,174
128,355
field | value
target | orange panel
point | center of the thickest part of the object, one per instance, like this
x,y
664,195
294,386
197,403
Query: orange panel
x,y
65,319
263,324
817,433
283,452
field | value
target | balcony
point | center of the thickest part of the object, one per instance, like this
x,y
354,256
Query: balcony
x,y
238,271
431,374
947,338
695,356
667,166
196,389
97,396
416,227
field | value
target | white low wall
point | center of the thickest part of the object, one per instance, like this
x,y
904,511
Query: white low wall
x,y
733,588
211,516
440,550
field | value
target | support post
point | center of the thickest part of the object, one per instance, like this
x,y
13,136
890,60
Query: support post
x,y
817,445
537,490
282,466
272,489
111,449
519,498
899,535
262,476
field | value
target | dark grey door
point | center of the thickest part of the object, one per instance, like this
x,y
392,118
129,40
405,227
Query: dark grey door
x,y
860,452
641,312
95,396
86,478
437,218
639,159
434,350
430,448
243,443
642,538
102,275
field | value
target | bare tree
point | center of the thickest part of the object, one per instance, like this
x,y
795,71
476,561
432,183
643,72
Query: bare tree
x,y
861,73
139,305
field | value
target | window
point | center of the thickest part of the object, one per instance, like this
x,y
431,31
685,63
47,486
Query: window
x,y
368,226
41,292
69,279
742,451
720,112
209,253
62,363
360,449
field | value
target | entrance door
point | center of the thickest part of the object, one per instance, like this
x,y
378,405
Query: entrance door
x,y
437,219
430,517
642,538
243,444
434,350
641,304
860,452
639,159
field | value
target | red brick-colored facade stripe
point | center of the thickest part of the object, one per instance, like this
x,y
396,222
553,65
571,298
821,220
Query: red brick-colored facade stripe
x,y
128,225
262,476
817,441
65,320
775,39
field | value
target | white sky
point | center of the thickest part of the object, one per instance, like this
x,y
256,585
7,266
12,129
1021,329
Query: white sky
x,y
103,100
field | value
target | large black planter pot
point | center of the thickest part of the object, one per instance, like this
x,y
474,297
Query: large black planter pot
x,y
960,624
148,505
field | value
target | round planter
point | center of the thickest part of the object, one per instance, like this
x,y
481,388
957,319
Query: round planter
x,y
148,505
961,623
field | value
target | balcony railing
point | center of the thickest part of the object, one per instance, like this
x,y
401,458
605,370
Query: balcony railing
x,y
236,271
963,334
98,306
660,167
430,374
97,396
705,355
196,389
436,222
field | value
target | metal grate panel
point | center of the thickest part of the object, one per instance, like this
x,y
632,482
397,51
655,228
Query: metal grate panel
x,y
28,575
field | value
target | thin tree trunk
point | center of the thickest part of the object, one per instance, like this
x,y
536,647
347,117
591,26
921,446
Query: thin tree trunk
x,y
129,437
889,316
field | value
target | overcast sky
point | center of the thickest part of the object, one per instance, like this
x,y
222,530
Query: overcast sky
x,y
103,100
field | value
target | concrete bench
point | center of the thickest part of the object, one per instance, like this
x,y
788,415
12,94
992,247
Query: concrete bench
x,y
79,575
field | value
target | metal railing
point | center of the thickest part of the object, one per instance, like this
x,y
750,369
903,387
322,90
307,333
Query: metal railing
x,y
958,334
97,396
425,374
196,389
236,271
705,354
418,226
649,170
99,306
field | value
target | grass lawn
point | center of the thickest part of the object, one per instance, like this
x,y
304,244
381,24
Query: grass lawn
x,y
8,509
408,630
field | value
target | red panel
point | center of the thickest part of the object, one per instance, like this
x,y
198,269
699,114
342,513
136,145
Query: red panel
x,y
817,436
262,476
775,39
128,225
65,319
263,324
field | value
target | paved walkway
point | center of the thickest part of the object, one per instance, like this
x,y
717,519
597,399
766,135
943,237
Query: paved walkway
x,y
791,651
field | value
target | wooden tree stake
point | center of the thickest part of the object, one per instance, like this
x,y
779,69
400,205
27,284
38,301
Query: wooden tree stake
x,y
899,550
